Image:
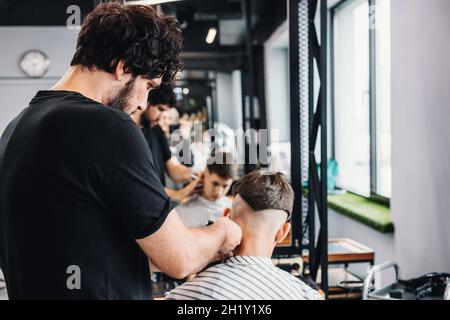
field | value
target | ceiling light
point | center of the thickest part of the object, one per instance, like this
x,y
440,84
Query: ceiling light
x,y
212,32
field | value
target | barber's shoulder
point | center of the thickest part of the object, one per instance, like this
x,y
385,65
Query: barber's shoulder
x,y
106,117
115,130
107,114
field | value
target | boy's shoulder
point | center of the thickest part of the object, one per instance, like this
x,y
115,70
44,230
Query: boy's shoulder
x,y
306,290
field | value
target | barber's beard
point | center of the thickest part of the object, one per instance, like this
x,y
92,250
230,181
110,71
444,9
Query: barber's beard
x,y
121,100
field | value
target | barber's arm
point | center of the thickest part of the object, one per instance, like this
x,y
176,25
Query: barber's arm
x,y
179,251
184,193
178,172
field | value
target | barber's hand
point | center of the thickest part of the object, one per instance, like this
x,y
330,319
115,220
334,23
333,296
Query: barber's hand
x,y
233,236
189,190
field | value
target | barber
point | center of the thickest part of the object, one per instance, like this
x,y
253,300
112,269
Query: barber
x,y
159,100
81,206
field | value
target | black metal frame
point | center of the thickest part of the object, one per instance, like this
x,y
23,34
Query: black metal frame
x,y
248,83
294,65
319,186
317,183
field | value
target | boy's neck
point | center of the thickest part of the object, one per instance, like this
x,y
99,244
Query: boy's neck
x,y
257,246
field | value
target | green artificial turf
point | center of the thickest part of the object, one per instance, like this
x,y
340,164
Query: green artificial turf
x,y
364,210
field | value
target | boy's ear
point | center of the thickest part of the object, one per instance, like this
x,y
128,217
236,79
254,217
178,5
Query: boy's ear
x,y
282,233
227,212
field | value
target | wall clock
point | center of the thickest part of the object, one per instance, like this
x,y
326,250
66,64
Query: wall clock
x,y
34,63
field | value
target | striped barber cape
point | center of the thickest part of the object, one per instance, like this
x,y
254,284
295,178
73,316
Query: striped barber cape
x,y
244,278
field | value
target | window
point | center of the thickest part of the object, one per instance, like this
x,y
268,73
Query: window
x,y
276,59
362,135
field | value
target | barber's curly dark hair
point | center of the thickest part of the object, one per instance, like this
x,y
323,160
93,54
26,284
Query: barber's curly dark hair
x,y
149,43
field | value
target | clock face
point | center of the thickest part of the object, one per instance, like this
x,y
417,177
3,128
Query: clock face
x,y
34,63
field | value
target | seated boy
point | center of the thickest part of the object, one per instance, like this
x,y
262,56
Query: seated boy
x,y
210,203
262,209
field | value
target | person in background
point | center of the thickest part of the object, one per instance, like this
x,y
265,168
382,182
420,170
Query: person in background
x,y
161,100
167,120
185,120
180,142
210,203
262,208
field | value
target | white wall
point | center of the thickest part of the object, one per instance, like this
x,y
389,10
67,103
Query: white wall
x,y
58,43
421,134
229,99
236,80
276,68
341,226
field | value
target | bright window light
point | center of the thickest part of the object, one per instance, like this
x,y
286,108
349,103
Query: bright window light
x,y
352,96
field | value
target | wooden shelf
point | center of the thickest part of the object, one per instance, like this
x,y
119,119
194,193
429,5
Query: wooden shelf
x,y
346,251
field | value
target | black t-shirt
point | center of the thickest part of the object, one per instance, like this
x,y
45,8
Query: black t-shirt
x,y
159,146
77,187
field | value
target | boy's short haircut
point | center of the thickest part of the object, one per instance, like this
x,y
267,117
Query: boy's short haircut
x,y
263,191
163,95
221,165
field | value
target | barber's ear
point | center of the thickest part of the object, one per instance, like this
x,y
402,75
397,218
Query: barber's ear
x,y
282,232
120,70
227,212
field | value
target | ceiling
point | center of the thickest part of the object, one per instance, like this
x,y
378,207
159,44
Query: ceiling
x,y
228,50
196,17
39,12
